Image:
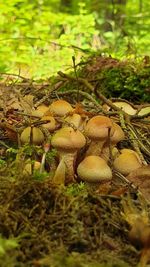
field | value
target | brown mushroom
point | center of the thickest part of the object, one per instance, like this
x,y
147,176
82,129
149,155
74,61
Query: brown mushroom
x,y
40,111
127,161
37,136
28,167
117,136
94,170
68,141
60,108
51,124
97,130
75,120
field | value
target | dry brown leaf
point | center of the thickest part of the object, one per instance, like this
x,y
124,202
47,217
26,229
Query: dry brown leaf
x,y
141,179
26,103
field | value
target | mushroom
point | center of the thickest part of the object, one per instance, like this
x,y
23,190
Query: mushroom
x,y
97,129
75,120
28,167
127,161
60,108
68,141
94,170
51,124
40,111
117,136
37,136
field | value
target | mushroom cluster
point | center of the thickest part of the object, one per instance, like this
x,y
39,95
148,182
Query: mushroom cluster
x,y
87,146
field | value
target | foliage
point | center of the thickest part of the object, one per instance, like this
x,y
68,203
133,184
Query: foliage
x,y
7,244
76,189
40,37
35,35
126,82
2,163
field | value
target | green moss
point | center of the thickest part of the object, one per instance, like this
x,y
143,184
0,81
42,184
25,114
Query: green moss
x,y
129,80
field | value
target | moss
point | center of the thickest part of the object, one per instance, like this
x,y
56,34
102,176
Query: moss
x,y
129,80
47,220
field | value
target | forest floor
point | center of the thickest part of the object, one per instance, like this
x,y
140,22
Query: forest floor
x,y
43,224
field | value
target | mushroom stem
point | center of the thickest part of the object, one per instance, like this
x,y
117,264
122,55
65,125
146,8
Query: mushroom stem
x,y
59,176
69,160
43,162
68,142
95,148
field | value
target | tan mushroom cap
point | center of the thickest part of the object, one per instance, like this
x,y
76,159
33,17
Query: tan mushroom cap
x,y
75,119
98,126
127,161
60,108
94,169
40,111
68,138
38,136
118,134
51,124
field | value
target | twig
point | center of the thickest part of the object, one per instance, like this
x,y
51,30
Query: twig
x,y
15,75
86,95
75,72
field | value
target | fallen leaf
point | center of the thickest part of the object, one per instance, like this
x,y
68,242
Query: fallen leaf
x,y
141,179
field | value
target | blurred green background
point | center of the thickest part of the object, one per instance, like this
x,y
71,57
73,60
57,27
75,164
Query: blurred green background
x,y
39,37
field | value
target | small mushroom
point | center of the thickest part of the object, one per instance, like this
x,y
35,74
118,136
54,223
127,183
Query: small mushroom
x,y
75,120
97,130
127,161
117,136
60,108
51,124
68,141
95,171
28,167
40,111
37,136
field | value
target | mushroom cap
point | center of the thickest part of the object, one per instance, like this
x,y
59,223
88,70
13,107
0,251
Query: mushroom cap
x,y
98,126
94,169
118,134
40,111
127,161
38,136
60,108
74,119
68,139
51,124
